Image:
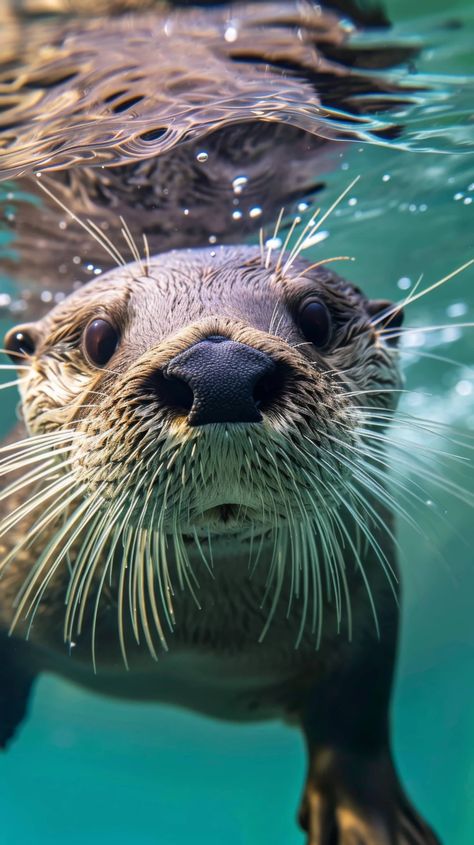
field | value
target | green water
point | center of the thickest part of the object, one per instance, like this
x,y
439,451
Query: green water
x,y
88,770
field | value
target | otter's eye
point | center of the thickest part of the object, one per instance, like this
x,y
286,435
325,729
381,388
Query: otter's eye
x,y
315,323
100,341
19,343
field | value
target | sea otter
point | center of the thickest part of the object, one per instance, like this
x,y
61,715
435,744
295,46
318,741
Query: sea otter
x,y
200,511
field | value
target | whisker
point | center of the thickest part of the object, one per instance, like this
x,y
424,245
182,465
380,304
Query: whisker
x,y
413,297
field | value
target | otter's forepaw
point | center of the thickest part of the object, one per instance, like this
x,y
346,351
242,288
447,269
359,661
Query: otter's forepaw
x,y
352,799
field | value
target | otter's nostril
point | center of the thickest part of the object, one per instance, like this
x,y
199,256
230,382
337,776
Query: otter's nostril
x,y
268,388
173,392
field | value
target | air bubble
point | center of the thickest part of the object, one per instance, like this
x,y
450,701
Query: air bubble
x,y
386,177
404,283
239,183
457,309
464,387
255,212
202,157
236,215
273,243
212,239
231,34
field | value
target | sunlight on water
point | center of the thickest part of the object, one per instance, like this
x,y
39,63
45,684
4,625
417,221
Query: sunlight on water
x,y
88,770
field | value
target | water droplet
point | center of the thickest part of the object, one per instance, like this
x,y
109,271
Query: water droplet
x,y
302,206
46,296
345,166
5,300
386,177
10,195
423,207
412,207
76,259
458,196
239,183
90,267
213,253
212,239
236,215
62,224
97,271
202,156
185,211
352,201
467,200
255,212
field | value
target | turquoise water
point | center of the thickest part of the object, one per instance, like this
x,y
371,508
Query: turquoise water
x,y
85,769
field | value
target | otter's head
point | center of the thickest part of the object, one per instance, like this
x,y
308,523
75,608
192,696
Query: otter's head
x,y
213,393
216,397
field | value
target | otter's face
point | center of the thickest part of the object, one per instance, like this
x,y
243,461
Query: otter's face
x,y
214,395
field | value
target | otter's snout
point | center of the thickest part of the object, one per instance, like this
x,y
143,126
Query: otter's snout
x,y
219,380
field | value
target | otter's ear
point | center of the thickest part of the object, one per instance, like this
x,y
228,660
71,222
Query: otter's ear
x,y
383,313
21,341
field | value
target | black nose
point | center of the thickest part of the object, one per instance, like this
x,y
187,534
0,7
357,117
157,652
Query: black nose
x,y
218,380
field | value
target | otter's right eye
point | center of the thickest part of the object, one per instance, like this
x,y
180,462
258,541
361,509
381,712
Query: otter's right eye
x,y
18,344
100,341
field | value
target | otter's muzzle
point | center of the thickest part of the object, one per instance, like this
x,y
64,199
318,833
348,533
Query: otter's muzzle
x,y
219,380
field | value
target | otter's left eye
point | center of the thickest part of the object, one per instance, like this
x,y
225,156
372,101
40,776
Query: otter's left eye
x,y
315,323
100,341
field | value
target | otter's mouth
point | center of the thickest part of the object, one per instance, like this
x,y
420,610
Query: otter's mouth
x,y
227,512
227,517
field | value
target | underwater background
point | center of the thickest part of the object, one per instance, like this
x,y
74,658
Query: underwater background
x,y
84,769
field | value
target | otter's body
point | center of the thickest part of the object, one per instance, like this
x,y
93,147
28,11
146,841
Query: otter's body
x,y
204,520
